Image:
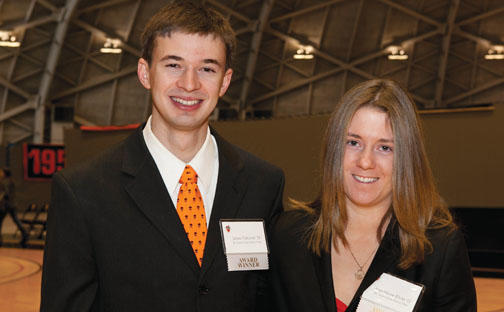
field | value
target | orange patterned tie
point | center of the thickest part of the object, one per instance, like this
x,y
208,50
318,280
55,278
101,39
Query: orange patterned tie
x,y
192,212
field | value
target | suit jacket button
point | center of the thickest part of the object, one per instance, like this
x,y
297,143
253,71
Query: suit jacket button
x,y
203,290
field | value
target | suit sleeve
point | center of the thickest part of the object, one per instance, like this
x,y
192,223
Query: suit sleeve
x,y
264,289
278,204
69,278
455,291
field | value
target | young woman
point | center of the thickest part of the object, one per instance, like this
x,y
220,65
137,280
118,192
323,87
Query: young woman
x,y
378,212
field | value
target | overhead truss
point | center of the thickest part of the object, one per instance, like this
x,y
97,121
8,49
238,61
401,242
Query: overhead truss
x,y
445,42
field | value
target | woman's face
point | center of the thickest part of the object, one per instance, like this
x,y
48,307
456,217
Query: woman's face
x,y
369,160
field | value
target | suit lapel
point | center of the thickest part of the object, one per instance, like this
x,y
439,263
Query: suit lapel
x,y
231,186
323,270
146,187
384,261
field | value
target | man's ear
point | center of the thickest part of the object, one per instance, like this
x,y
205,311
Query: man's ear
x,y
143,73
226,81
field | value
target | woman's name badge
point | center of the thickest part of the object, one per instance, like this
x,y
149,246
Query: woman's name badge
x,y
245,244
390,294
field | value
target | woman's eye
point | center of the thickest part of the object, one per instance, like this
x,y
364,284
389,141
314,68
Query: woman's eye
x,y
386,148
352,142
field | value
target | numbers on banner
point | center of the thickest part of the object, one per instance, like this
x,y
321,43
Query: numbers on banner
x,y
45,161
34,156
48,161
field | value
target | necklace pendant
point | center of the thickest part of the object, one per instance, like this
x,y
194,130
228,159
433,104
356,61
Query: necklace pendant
x,y
359,274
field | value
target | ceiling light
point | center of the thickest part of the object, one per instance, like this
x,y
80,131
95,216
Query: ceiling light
x,y
396,53
111,46
496,52
8,40
304,53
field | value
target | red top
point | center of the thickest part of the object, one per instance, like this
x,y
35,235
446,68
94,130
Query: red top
x,y
340,306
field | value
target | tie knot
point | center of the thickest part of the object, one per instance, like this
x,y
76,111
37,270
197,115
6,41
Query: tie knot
x,y
189,175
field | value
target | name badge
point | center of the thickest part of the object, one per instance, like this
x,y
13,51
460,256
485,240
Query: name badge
x,y
390,294
245,244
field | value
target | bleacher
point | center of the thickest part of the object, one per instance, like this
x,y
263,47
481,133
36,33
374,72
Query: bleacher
x,y
484,233
34,221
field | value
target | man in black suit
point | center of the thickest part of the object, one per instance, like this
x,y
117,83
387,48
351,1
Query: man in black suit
x,y
115,240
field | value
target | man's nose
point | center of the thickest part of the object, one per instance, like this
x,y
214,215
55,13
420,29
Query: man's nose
x,y
189,80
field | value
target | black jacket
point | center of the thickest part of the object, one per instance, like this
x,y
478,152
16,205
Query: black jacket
x,y
116,243
302,281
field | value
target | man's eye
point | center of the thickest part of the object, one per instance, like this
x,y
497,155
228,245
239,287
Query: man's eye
x,y
208,70
172,65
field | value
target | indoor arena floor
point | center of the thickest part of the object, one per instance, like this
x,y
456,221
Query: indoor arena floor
x,y
20,274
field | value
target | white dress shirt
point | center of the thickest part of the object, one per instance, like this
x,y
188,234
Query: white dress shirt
x,y
205,163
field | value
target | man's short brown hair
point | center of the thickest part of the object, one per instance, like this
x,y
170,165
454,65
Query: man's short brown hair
x,y
188,17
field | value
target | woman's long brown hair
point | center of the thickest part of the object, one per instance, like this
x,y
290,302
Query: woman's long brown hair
x,y
416,204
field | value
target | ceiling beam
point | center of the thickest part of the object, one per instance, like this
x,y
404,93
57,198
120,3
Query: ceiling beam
x,y
100,5
21,138
481,16
83,121
230,11
13,63
283,56
96,81
280,62
30,46
6,55
85,55
255,45
48,5
476,38
244,30
422,37
351,43
19,26
419,84
309,98
50,68
101,33
7,84
30,104
412,13
113,93
354,30
324,55
472,7
245,3
484,87
343,65
304,11
294,85
20,125
493,71
445,50
27,75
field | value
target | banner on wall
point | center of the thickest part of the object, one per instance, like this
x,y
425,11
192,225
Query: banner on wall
x,y
41,161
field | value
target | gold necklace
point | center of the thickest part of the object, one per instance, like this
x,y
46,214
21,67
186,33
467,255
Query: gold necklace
x,y
359,274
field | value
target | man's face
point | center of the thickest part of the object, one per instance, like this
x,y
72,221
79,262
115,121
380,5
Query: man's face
x,y
186,76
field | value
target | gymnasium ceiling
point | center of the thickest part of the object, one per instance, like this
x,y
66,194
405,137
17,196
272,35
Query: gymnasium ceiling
x,y
58,73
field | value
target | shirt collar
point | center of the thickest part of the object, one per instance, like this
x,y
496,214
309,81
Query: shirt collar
x,y
171,167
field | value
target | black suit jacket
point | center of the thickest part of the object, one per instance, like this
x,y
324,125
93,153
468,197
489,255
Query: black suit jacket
x,y
302,281
115,241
